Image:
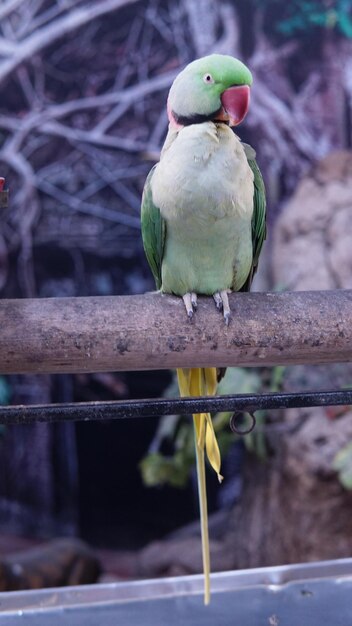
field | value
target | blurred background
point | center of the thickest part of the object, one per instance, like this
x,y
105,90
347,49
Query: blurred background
x,y
82,120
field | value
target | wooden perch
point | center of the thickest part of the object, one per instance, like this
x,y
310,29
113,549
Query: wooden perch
x,y
152,332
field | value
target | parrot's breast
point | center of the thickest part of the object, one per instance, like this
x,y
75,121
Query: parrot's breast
x,y
203,187
203,168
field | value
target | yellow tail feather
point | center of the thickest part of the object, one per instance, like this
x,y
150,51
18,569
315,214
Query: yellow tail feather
x,y
198,382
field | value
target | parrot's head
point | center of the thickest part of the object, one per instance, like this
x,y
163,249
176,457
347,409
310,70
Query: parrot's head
x,y
215,87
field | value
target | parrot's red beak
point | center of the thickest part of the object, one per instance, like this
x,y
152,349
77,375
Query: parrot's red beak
x,y
235,104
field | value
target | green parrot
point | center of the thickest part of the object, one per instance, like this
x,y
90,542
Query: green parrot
x,y
203,219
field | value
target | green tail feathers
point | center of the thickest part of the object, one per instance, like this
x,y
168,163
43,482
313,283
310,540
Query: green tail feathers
x,y
202,382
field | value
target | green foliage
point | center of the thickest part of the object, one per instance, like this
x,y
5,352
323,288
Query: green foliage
x,y
159,469
303,16
343,465
171,455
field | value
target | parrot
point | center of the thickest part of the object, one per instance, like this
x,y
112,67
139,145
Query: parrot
x,y
203,221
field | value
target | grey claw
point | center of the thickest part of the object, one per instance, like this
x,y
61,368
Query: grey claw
x,y
218,301
222,304
194,300
187,299
226,306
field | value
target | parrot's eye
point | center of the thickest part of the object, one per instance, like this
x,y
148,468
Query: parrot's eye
x,y
208,79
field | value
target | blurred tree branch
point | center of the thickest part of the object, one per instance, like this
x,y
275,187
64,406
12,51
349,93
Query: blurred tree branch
x,y
55,28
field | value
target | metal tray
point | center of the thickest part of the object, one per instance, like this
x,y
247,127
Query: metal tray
x,y
310,594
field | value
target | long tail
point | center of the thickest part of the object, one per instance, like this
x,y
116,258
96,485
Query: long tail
x,y
200,382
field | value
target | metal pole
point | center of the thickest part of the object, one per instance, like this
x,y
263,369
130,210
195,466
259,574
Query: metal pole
x,y
127,409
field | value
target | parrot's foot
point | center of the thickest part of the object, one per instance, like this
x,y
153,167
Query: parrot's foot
x,y
222,304
218,301
190,302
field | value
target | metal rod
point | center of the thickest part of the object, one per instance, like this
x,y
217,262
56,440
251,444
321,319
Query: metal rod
x,y
126,409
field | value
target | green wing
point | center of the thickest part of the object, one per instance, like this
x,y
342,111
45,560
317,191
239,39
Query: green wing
x,y
259,213
153,230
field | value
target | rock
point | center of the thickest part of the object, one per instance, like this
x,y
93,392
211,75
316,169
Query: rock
x,y
305,512
312,237
178,557
55,564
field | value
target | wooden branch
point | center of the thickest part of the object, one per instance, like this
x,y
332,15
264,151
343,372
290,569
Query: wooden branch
x,y
126,96
76,135
8,7
49,34
152,332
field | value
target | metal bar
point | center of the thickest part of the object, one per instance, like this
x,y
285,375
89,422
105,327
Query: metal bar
x,y
126,409
25,604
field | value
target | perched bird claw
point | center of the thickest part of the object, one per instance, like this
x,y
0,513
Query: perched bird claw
x,y
190,302
194,300
222,304
218,301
